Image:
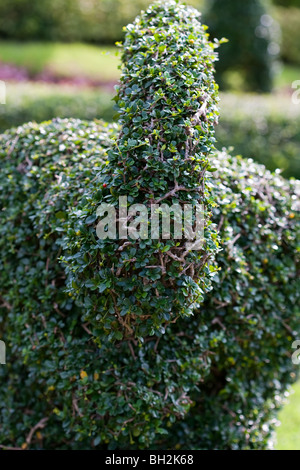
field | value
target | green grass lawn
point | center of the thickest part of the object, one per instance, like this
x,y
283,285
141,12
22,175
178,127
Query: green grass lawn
x,y
288,433
93,62
63,60
287,75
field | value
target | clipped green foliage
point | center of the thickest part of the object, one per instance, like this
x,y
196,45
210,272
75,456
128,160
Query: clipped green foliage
x,y
252,45
167,112
261,127
252,315
211,381
40,183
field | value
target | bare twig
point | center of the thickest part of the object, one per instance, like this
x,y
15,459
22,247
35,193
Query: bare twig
x,y
40,425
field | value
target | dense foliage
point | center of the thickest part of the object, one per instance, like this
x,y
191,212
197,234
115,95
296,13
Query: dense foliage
x,y
167,104
209,380
261,127
251,48
252,315
219,370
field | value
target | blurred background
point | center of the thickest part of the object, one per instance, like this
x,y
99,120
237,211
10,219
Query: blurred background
x,y
58,58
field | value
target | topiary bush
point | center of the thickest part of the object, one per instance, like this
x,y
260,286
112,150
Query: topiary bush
x,y
258,127
252,314
209,380
167,114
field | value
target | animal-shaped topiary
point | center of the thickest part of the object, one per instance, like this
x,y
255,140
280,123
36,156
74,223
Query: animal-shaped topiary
x,y
167,104
211,380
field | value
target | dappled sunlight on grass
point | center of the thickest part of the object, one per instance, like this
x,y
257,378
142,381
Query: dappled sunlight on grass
x,y
63,60
288,433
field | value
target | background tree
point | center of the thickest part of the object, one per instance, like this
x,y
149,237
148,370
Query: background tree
x,y
251,49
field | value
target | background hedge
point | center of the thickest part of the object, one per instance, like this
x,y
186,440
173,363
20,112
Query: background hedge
x,y
167,103
258,127
70,20
102,21
287,3
40,102
262,128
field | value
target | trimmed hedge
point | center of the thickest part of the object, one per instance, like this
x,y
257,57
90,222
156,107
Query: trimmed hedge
x,y
271,125
264,128
252,315
208,380
41,102
167,112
